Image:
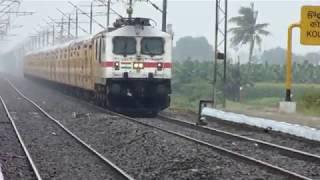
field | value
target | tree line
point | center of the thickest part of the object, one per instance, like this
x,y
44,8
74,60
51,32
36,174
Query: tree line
x,y
240,75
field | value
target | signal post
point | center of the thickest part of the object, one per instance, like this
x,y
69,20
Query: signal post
x,y
309,35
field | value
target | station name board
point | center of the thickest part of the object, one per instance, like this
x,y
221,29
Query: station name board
x,y
310,25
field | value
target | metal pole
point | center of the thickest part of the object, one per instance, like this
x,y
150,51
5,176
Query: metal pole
x,y
48,34
289,62
77,23
39,41
34,42
164,16
215,54
108,15
225,51
53,34
91,16
43,39
69,27
61,32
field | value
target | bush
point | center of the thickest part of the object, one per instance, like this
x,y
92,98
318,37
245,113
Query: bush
x,y
267,90
188,95
311,100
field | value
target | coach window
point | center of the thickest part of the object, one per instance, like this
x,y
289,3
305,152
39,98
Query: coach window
x,y
102,49
98,49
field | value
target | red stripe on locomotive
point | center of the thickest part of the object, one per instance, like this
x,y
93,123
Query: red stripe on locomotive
x,y
146,64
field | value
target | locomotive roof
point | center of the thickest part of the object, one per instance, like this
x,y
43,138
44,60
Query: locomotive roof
x,y
138,30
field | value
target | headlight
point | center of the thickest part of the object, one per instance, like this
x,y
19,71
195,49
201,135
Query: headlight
x,y
141,65
138,65
116,65
159,66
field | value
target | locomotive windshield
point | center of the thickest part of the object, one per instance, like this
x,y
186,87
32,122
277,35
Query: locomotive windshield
x,y
152,46
124,45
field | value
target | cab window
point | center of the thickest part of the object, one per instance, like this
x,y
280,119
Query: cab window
x,y
124,45
152,46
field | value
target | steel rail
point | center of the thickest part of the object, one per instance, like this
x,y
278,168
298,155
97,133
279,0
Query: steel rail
x,y
95,152
291,152
262,164
31,162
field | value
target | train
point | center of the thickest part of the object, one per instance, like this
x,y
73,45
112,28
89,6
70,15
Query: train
x,y
126,68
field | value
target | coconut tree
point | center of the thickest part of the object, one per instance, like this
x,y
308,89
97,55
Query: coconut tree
x,y
247,30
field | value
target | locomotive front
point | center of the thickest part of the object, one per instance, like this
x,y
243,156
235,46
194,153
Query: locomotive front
x,y
137,67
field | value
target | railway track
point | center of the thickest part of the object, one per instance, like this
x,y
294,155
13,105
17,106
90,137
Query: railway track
x,y
310,161
114,172
261,144
27,153
266,135
234,154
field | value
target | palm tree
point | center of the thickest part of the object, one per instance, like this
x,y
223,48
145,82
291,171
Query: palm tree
x,y
248,30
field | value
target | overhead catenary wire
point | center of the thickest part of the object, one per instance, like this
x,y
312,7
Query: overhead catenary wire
x,y
103,27
111,9
8,9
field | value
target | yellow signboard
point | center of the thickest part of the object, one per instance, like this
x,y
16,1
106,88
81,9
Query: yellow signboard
x,y
310,25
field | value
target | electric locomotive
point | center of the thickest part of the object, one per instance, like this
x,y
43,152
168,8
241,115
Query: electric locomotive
x,y
126,68
136,68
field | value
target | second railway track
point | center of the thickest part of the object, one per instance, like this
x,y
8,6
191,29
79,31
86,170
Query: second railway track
x,y
55,152
300,162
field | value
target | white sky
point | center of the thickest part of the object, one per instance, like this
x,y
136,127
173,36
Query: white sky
x,y
189,18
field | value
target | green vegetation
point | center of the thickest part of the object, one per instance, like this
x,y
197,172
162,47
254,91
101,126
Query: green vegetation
x,y
261,80
309,103
261,88
269,94
261,96
267,90
187,95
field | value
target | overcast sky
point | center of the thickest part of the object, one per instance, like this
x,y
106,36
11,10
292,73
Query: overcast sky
x,y
189,18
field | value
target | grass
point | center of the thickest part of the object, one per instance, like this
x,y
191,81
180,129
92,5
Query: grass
x,y
309,112
263,102
259,97
183,102
262,90
269,94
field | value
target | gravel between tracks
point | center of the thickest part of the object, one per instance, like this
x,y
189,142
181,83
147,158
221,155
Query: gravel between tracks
x,y
55,153
254,132
13,161
306,168
143,152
